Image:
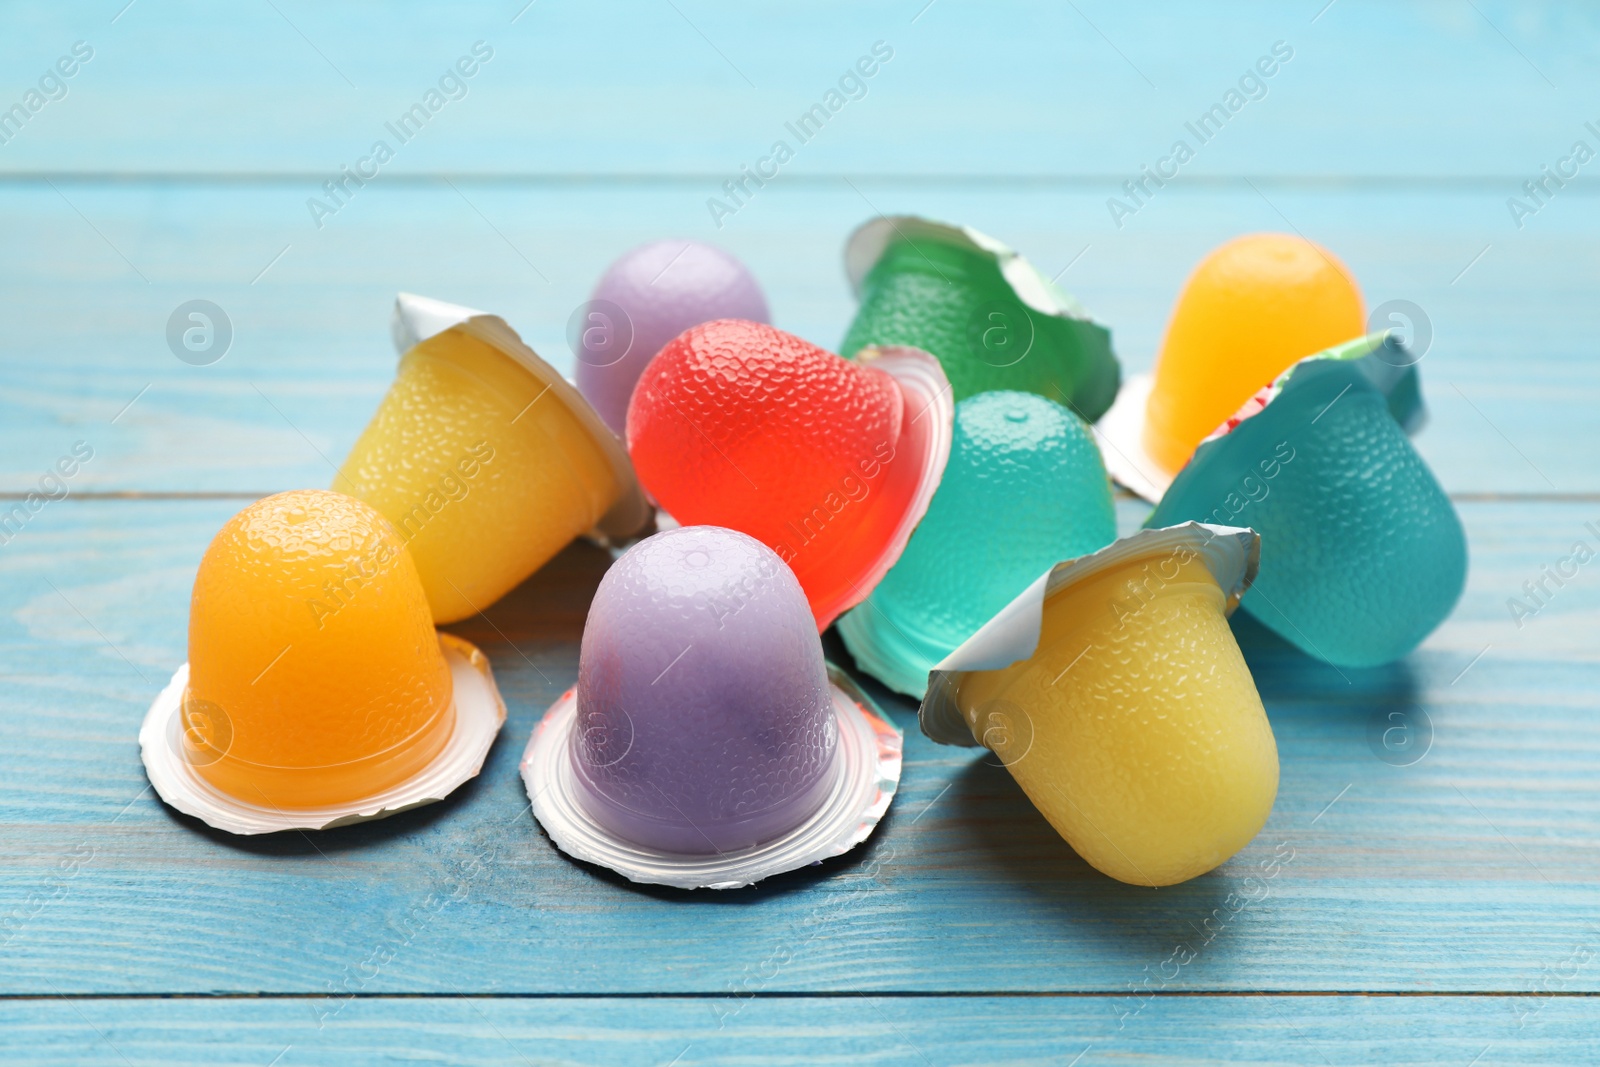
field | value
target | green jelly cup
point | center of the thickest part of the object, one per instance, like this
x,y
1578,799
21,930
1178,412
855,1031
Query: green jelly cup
x,y
1362,553
1024,488
993,321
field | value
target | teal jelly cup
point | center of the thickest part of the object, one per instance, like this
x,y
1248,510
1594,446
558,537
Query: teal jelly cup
x,y
993,321
1024,488
1362,553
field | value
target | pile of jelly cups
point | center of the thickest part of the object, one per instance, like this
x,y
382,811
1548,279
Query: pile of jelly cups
x,y
941,488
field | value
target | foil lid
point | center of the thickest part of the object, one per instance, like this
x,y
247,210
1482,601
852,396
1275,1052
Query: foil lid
x,y
866,775
479,715
1232,554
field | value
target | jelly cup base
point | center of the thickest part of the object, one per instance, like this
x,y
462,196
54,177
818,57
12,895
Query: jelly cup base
x,y
891,652
869,754
479,715
1120,434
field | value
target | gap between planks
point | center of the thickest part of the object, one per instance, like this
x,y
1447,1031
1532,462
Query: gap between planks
x,y
912,994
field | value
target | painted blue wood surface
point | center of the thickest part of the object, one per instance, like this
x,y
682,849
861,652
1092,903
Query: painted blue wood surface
x,y
178,165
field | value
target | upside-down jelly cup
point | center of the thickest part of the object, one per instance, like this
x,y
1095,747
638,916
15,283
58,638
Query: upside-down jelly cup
x,y
1362,553
1024,487
828,462
1114,692
707,744
317,691
485,459
647,297
1252,307
993,320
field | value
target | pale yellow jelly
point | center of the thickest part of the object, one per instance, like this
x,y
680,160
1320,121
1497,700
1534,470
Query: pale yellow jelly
x,y
482,468
1251,308
1135,728
315,675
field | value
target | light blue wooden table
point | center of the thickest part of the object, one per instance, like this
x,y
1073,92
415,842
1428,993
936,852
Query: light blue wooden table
x,y
1445,912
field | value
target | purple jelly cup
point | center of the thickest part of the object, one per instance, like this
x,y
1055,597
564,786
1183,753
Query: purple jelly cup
x,y
707,742
648,296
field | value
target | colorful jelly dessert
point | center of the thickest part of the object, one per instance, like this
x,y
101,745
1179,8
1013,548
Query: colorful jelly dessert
x,y
1024,487
828,462
1114,692
1253,306
315,678
647,297
487,462
704,741
993,321
1362,553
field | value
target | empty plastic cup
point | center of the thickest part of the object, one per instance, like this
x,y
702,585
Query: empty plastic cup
x,y
647,297
704,717
993,321
1251,308
828,462
1024,488
315,675
487,462
1115,693
1362,553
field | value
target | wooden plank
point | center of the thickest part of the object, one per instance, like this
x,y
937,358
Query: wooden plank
x,y
1509,372
1473,869
1091,89
1082,1031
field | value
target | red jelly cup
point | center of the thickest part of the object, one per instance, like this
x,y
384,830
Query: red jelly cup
x,y
829,462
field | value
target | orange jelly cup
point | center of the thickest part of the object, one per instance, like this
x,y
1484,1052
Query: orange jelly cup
x,y
315,674
1253,306
828,462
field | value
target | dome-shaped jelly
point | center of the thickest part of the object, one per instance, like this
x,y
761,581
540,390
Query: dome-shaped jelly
x,y
742,425
1024,489
315,675
704,720
661,289
1251,308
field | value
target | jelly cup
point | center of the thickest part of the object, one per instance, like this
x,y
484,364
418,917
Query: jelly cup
x,y
1252,307
993,321
707,743
317,691
1113,691
647,297
1362,553
1024,487
828,462
486,461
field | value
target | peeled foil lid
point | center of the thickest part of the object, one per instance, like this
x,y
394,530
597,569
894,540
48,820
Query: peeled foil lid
x,y
479,715
1380,357
1231,553
867,775
867,244
417,318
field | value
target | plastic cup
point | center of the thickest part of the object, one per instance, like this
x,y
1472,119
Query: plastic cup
x,y
315,675
1024,487
828,462
1362,553
1253,306
993,321
1114,692
650,295
484,459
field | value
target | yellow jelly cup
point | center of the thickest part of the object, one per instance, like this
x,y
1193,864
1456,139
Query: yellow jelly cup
x,y
485,459
1114,692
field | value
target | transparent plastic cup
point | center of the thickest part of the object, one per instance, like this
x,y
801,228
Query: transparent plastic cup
x,y
484,459
1362,553
828,462
992,320
650,295
1024,487
315,676
1115,694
